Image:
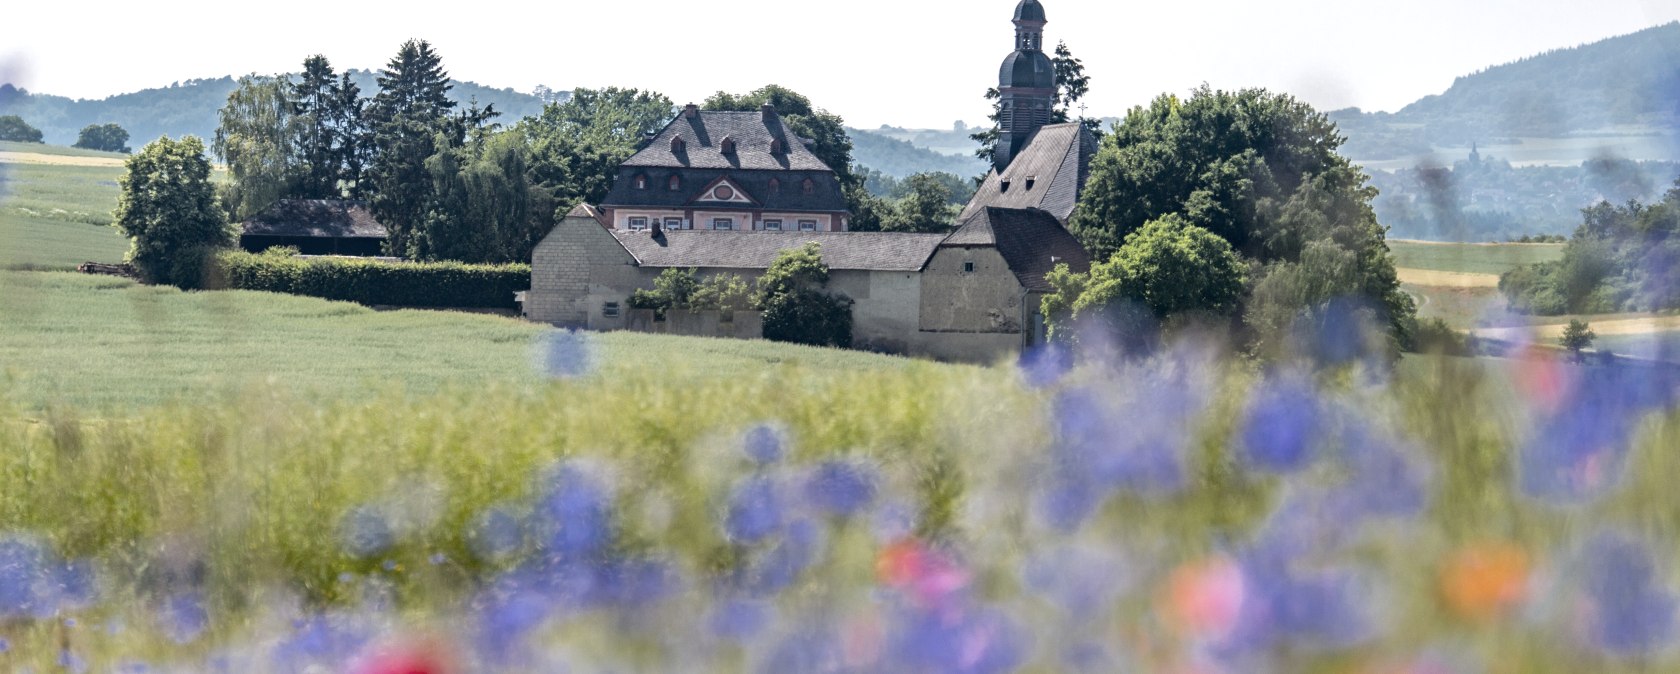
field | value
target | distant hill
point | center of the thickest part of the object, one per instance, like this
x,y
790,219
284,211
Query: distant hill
x,y
902,159
1622,87
190,107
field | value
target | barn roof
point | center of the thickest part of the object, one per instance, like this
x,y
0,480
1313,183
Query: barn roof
x,y
1048,175
857,251
320,218
1032,242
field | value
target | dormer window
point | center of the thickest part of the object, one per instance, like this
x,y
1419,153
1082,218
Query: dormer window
x,y
678,145
1030,181
641,182
810,186
727,146
676,183
1004,187
775,186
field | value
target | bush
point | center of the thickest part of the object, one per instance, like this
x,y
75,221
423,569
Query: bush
x,y
672,289
1433,335
371,282
167,209
808,316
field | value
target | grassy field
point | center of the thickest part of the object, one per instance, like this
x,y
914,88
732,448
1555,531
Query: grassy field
x,y
57,151
1471,258
58,216
105,343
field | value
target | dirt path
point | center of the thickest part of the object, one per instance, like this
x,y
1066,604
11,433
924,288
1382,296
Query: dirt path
x,y
1614,328
8,157
1447,279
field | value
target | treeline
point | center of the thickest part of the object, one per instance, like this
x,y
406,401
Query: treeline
x,y
190,107
1489,200
448,181
1622,258
900,159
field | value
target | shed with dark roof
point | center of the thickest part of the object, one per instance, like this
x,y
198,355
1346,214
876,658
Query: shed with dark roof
x,y
315,227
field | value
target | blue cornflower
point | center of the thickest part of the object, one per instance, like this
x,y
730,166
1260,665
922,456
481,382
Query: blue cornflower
x,y
567,354
764,444
754,511
576,513
1633,613
24,570
1044,365
184,617
740,619
840,487
365,532
496,534
781,566
1282,424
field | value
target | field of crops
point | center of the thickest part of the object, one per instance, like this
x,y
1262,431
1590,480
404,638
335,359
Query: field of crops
x,y
1471,258
58,216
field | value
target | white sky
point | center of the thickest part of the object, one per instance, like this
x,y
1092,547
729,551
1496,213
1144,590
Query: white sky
x,y
914,63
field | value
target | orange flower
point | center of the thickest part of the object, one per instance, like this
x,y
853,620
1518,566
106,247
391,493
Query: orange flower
x,y
1484,581
1204,599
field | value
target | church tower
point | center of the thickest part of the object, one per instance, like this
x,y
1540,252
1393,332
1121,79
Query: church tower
x,y
1027,83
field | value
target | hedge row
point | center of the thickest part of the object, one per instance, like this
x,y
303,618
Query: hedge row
x,y
372,282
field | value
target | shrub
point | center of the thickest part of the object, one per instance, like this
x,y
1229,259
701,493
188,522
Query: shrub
x,y
168,211
372,282
672,289
795,308
725,293
1433,335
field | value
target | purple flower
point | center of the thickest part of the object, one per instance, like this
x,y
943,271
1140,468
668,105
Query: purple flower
x,y
24,570
975,640
1044,365
740,619
754,511
1632,612
327,639
575,513
781,565
1282,424
637,583
764,444
566,354
1383,479
365,532
840,488
5,646
805,650
184,617
496,534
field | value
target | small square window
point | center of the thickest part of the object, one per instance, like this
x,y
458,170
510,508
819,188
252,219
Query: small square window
x,y
638,223
968,267
807,225
724,224
610,310
772,225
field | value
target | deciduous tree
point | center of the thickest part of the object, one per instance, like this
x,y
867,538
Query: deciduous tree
x,y
13,128
167,209
255,140
926,208
104,138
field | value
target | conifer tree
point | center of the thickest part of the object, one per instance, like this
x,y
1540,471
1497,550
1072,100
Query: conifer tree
x,y
406,118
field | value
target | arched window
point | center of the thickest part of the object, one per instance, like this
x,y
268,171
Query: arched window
x,y
775,186
810,186
641,182
676,183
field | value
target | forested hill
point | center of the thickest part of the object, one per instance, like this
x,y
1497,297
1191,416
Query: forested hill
x,y
1627,81
190,107
901,159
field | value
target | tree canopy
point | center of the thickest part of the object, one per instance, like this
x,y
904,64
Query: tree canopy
x,y
167,209
827,130
104,138
1260,171
407,117
925,207
1621,259
13,128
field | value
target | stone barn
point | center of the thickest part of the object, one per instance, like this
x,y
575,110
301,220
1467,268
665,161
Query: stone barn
x,y
972,295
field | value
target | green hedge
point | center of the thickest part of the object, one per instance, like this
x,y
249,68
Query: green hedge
x,y
372,282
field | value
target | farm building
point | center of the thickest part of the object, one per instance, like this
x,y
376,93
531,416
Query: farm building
x,y
315,227
972,295
726,171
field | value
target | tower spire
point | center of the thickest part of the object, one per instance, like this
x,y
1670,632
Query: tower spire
x,y
1026,85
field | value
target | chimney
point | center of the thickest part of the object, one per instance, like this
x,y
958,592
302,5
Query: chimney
x,y
691,111
768,112
658,229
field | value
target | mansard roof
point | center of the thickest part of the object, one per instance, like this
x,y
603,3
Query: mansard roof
x,y
319,218
1031,241
702,147
1056,162
771,190
854,251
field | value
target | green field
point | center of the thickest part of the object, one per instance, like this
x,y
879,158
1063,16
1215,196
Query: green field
x,y
57,150
56,217
108,343
1471,258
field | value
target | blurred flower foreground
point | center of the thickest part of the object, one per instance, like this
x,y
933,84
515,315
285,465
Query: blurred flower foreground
x,y
1185,511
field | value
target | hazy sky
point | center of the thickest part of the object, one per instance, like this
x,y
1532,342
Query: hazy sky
x,y
919,63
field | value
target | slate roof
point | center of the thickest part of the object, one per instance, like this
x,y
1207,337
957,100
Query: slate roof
x,y
703,136
1031,241
1058,159
857,251
321,218
826,196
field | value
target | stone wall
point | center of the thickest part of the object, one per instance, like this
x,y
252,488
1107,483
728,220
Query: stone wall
x,y
737,325
577,273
